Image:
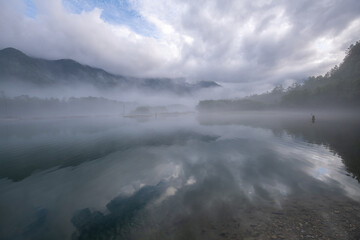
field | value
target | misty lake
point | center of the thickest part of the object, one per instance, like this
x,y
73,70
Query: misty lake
x,y
180,177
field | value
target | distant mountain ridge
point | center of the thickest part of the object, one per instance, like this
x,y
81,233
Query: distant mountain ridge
x,y
17,66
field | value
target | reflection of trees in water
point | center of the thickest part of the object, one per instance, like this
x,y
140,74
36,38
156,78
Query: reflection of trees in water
x,y
119,220
215,207
340,135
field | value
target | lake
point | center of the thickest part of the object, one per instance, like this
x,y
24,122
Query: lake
x,y
239,176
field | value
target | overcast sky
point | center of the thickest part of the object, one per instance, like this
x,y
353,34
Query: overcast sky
x,y
249,45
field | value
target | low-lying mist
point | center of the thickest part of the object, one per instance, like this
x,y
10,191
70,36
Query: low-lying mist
x,y
19,99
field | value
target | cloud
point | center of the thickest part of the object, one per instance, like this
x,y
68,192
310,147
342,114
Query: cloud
x,y
260,41
85,37
251,43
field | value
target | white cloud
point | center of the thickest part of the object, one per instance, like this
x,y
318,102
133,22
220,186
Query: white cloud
x,y
253,43
57,33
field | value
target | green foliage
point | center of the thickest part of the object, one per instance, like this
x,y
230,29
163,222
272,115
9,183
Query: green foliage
x,y
340,87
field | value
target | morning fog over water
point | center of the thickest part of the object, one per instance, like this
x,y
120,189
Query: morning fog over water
x,y
179,120
191,176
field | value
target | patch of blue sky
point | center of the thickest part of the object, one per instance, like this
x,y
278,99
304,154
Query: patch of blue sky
x,y
114,12
30,9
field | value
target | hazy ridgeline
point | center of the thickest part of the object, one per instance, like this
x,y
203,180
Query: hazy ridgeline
x,y
337,89
21,74
32,87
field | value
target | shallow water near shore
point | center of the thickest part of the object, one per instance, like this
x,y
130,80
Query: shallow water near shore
x,y
261,176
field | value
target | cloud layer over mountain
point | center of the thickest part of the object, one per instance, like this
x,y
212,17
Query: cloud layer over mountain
x,y
255,44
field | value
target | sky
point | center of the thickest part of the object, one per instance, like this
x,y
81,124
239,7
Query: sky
x,y
248,45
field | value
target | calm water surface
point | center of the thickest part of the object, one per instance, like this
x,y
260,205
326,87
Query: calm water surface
x,y
180,177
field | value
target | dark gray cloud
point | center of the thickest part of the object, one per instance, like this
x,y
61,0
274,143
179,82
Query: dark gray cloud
x,y
271,40
256,44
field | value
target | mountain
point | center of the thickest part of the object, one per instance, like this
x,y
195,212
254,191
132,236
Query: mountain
x,y
17,67
338,89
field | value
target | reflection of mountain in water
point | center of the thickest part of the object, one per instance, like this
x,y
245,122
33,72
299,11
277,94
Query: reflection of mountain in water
x,y
247,183
64,146
340,134
226,198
